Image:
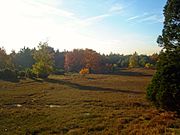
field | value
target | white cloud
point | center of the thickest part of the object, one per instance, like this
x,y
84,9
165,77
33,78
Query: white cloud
x,y
133,18
152,18
91,20
147,17
43,8
116,8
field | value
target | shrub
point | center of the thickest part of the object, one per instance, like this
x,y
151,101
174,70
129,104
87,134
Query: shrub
x,y
22,74
148,65
29,73
8,74
42,70
84,71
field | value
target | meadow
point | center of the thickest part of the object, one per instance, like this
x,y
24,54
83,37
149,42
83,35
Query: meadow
x,y
76,104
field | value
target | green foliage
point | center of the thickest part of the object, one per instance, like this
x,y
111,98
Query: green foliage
x,y
148,65
42,70
170,38
134,61
164,90
143,60
4,59
120,60
8,74
44,58
59,59
24,59
153,59
29,73
114,58
22,74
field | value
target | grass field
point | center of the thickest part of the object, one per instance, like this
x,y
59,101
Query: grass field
x,y
91,104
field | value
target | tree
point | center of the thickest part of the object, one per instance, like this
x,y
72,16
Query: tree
x,y
44,58
153,59
59,59
123,61
24,58
74,61
12,56
171,32
134,60
5,61
79,59
164,90
3,58
143,60
93,61
114,58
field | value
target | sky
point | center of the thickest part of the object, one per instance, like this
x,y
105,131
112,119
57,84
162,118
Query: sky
x,y
117,26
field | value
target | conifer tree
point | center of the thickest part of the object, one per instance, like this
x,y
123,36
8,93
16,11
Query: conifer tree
x,y
164,90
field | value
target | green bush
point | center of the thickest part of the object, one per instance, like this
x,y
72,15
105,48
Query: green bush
x,y
164,90
42,70
22,74
8,74
30,74
148,65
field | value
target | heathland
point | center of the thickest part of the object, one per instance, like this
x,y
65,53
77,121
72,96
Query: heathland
x,y
83,104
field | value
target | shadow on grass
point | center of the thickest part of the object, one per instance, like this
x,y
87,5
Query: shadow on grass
x,y
37,80
13,80
92,88
130,73
134,72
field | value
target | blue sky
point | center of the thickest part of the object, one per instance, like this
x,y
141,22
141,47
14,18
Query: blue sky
x,y
118,26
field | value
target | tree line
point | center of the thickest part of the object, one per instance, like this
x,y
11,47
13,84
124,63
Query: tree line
x,y
44,60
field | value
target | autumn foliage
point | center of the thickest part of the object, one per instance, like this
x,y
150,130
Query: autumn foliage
x,y
84,71
78,59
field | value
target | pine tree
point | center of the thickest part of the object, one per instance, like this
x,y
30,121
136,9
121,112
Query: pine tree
x,y
164,90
